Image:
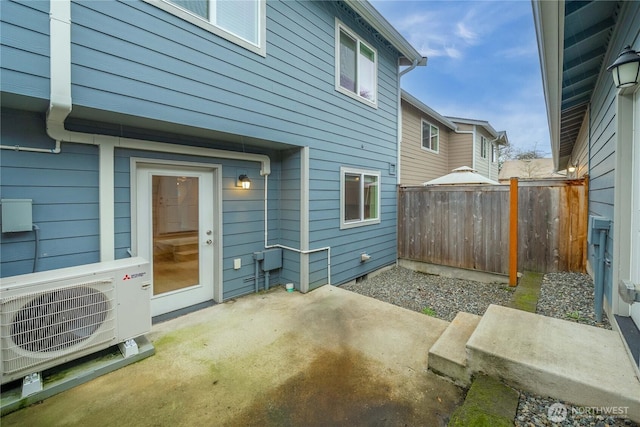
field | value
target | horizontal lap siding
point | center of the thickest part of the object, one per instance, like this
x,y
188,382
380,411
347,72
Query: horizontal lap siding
x,y
196,78
417,164
132,58
64,192
460,149
242,214
24,48
598,138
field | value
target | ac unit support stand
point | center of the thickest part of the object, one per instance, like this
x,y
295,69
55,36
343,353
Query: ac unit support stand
x,y
31,384
128,348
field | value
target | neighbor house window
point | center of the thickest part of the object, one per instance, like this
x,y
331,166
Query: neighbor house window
x,y
494,153
483,147
356,66
430,136
239,21
359,197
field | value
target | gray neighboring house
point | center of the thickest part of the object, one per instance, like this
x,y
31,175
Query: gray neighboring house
x,y
595,127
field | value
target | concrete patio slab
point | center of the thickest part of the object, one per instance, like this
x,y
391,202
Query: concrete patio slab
x,y
329,357
580,364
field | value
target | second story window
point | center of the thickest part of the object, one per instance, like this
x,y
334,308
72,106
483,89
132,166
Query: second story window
x,y
430,136
239,21
494,153
483,147
356,66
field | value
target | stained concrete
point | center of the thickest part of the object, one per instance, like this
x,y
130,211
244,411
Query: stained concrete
x,y
580,364
329,357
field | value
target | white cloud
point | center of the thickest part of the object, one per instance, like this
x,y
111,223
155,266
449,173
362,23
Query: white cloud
x,y
465,33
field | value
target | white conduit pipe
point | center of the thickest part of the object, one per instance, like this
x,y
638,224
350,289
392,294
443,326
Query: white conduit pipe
x,y
300,251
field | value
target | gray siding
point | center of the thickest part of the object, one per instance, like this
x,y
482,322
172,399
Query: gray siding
x,y
24,48
596,145
133,60
64,191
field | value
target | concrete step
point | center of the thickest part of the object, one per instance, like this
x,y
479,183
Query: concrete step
x,y
580,364
448,355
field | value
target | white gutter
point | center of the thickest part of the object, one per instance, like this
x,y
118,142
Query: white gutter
x,y
60,106
386,30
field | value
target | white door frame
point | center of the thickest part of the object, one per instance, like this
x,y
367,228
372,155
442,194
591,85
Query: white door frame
x,y
217,237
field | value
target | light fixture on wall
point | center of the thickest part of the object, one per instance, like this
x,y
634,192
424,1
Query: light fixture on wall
x,y
572,169
626,68
244,182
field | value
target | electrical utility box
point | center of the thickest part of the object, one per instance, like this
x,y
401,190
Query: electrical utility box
x,y
16,215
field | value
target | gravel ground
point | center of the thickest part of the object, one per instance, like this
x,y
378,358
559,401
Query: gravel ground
x,y
567,296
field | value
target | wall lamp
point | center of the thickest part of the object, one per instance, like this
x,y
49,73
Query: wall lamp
x,y
626,68
244,182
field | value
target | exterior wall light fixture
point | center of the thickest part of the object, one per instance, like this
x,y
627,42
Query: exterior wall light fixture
x,y
244,182
626,68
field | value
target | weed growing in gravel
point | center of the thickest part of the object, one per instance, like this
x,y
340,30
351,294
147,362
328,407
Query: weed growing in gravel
x,y
429,311
575,315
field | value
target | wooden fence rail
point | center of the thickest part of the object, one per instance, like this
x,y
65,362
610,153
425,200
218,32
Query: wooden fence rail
x,y
468,226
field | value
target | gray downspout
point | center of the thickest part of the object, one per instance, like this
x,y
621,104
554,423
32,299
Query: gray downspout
x,y
599,287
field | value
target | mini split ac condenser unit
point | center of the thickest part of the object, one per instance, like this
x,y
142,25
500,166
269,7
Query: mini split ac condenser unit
x,y
52,317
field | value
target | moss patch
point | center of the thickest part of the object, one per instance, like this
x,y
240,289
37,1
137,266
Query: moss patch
x,y
527,293
489,403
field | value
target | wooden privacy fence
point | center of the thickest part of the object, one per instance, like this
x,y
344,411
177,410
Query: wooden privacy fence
x,y
468,226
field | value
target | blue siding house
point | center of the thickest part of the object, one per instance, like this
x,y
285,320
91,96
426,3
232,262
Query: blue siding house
x,y
595,131
197,133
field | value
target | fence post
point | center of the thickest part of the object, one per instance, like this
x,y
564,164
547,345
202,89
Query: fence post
x,y
513,231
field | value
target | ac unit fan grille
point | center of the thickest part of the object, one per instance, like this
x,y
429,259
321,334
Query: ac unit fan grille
x,y
60,319
40,327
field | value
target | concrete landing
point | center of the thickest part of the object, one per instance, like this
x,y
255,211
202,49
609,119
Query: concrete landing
x,y
448,356
581,364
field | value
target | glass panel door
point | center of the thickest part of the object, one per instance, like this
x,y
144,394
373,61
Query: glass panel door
x,y
175,233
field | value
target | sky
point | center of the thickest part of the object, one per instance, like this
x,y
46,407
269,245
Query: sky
x,y
482,63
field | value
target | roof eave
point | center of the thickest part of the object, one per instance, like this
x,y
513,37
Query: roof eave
x,y
381,25
427,110
548,18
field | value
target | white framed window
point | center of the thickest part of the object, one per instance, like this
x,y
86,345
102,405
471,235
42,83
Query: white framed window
x,y
359,197
242,22
483,147
494,153
356,66
430,137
